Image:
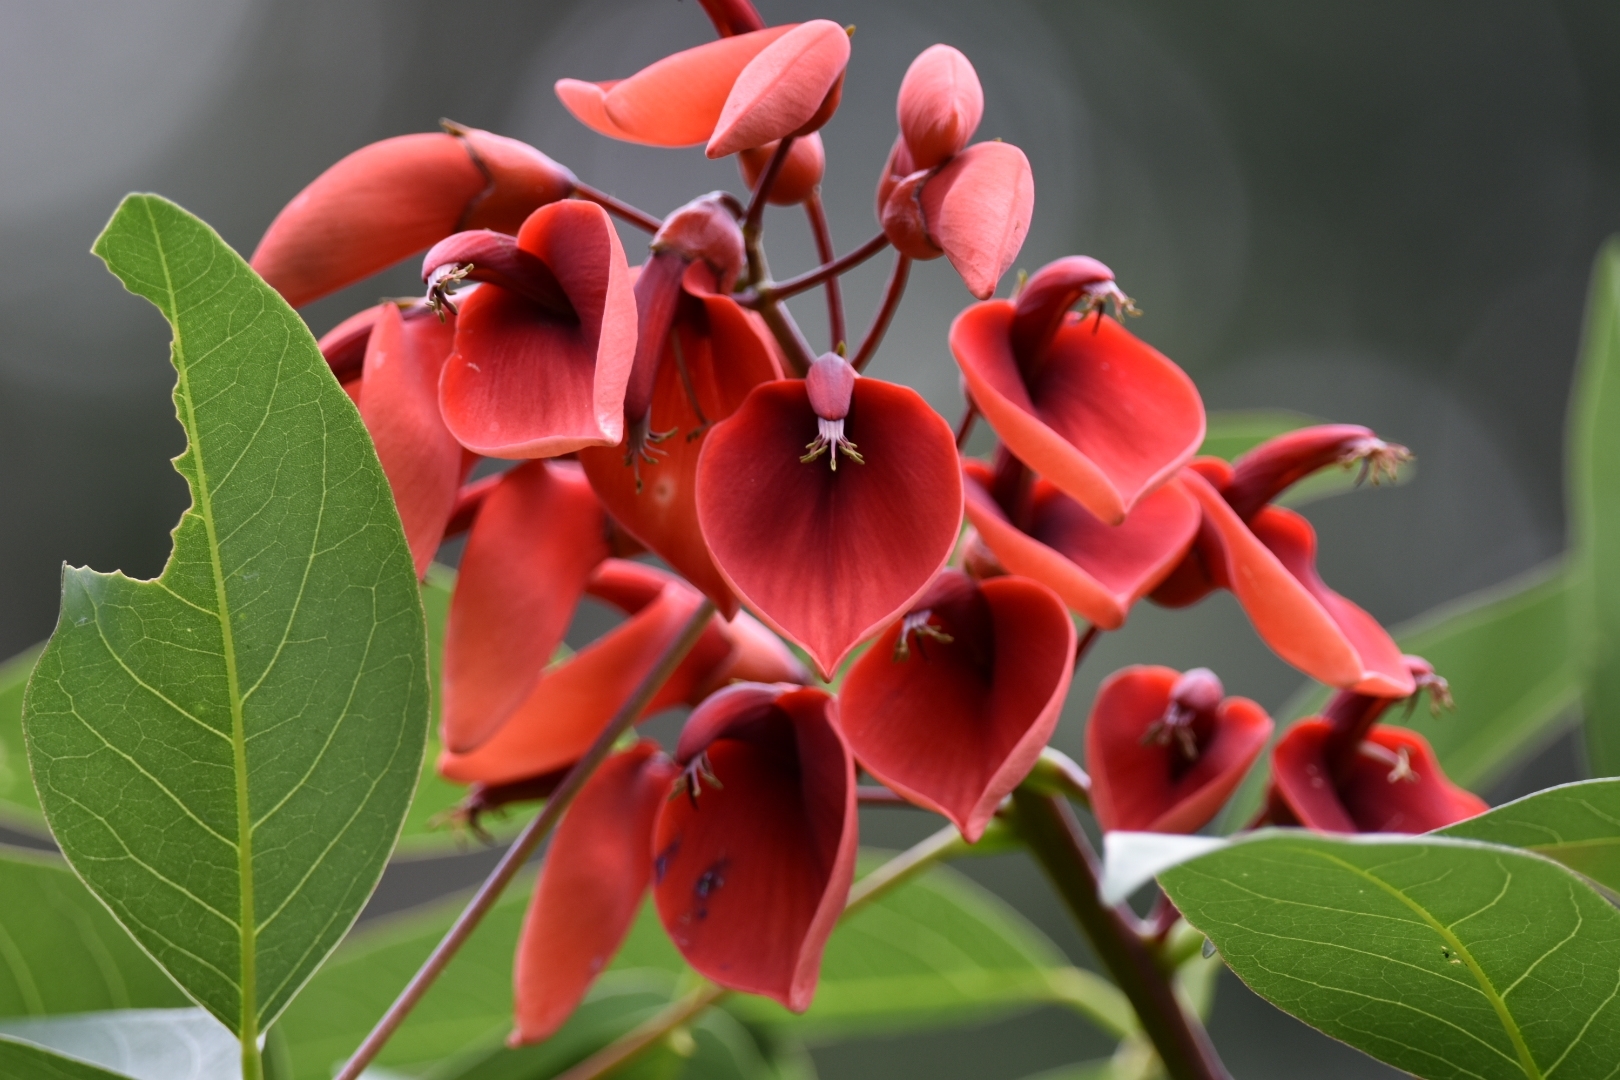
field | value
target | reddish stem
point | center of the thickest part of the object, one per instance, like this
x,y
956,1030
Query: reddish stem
x,y
964,426
762,190
827,272
1087,640
824,251
891,303
878,795
732,16
639,218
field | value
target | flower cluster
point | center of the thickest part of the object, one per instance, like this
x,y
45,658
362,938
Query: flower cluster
x,y
675,408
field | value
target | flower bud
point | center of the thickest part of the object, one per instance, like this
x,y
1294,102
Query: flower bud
x,y
799,176
830,382
940,105
706,228
792,87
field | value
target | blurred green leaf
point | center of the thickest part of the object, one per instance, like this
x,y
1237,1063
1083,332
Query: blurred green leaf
x,y
19,806
225,753
60,950
1446,958
1086,1070
1594,509
1574,824
141,1044
20,1060
1231,434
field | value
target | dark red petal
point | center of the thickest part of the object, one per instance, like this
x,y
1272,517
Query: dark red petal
x,y
799,175
1100,571
826,557
751,875
1371,794
1150,787
1045,300
400,405
726,355
526,382
488,256
978,207
590,888
783,89
528,555
956,725
940,105
1107,418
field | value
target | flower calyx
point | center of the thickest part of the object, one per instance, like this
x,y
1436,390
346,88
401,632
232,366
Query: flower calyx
x,y
830,384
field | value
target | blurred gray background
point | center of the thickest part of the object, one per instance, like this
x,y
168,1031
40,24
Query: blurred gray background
x,y
1380,212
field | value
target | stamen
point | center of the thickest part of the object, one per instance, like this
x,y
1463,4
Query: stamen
x,y
1399,761
1096,297
690,782
1378,459
1175,724
917,623
442,283
641,445
830,440
1439,689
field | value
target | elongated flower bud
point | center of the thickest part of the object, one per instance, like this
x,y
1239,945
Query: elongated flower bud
x,y
940,105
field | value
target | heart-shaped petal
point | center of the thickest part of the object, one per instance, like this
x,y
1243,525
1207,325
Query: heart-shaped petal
x,y
951,705
784,90
977,208
826,556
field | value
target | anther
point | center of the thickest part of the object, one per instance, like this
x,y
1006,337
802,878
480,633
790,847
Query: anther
x,y
697,773
917,623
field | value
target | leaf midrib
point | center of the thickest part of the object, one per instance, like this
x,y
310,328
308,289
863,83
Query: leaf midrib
x,y
247,1029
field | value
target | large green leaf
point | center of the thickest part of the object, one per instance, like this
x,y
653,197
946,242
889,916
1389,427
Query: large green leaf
x,y
225,753
1594,510
141,1044
23,1060
19,806
61,952
1575,824
1446,958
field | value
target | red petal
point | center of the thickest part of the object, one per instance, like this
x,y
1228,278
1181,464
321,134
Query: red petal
x,y
400,405
1365,798
978,208
1140,787
782,88
1269,469
955,726
521,180
800,173
1107,417
524,382
751,876
536,538
940,105
373,208
825,557
1099,570
344,346
595,874
726,355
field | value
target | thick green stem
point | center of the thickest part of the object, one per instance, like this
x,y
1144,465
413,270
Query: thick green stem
x,y
1049,827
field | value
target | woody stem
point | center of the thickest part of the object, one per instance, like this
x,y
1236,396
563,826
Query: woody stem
x,y
824,251
524,846
943,844
754,219
1049,827
891,303
827,272
617,207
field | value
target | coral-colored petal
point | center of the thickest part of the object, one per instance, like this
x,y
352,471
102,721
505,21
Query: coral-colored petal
x,y
1107,418
1371,794
940,105
528,555
1148,787
373,208
525,382
344,346
978,208
590,888
400,405
826,556
1268,470
521,180
588,102
799,175
956,725
751,876
1100,571
782,88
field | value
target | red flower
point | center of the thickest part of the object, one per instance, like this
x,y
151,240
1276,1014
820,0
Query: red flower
x,y
755,853
1166,750
391,199
1390,782
951,705
1102,415
940,105
543,355
830,544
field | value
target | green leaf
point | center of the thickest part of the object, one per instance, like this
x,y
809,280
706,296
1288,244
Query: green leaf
x,y
1446,958
1594,510
1574,824
28,1061
19,806
141,1044
1087,1070
1231,434
225,753
61,952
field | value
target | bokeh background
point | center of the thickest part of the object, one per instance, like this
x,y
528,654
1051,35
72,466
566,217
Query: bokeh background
x,y
1380,212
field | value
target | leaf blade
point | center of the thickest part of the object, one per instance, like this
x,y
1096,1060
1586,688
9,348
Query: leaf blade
x,y
1576,824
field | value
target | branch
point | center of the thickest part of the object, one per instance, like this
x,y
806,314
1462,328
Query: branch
x,y
827,272
891,303
824,251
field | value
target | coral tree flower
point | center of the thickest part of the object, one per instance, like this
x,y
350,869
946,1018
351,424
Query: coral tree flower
x,y
391,199
1266,555
951,705
756,850
737,93
543,352
1344,772
829,504
1166,749
1101,414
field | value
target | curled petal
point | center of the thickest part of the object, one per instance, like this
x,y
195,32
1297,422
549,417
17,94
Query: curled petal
x,y
595,874
1270,565
940,105
1106,417
951,705
521,180
1146,783
790,88
1268,470
525,381
1044,302
1100,571
903,221
1390,783
536,539
799,176
674,102
750,873
344,346
978,207
487,256
826,556
400,406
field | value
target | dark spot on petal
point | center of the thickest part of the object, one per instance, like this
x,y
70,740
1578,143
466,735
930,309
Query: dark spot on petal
x,y
710,881
662,859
